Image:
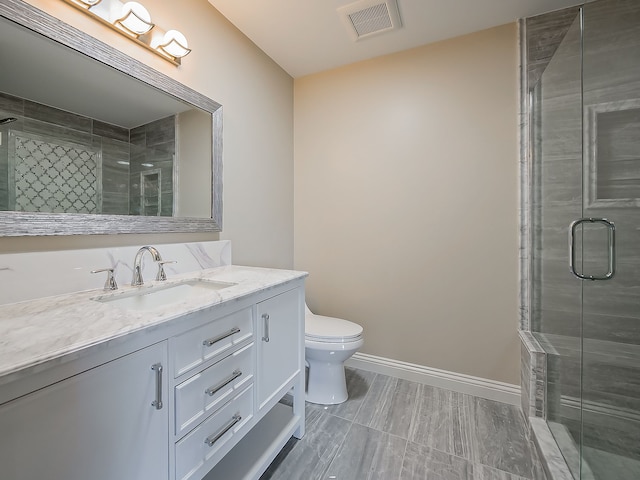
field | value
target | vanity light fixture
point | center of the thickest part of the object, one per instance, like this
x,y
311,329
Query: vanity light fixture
x,y
133,20
88,3
175,44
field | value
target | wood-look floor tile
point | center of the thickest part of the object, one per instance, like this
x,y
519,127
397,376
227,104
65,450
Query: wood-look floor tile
x,y
358,384
309,457
499,437
482,472
440,421
368,454
389,405
421,462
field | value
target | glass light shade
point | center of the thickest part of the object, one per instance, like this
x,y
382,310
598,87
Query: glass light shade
x,y
175,44
88,3
135,18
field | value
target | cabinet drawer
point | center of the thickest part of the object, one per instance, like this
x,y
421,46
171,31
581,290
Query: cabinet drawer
x,y
201,449
215,339
206,391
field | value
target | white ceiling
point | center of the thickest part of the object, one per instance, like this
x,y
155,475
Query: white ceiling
x,y
309,36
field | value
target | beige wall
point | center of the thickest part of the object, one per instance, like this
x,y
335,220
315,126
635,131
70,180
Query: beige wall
x,y
257,98
406,201
405,183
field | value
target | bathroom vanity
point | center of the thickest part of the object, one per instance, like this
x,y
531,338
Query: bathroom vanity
x,y
98,385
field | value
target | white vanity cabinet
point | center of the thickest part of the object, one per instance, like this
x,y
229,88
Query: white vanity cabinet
x,y
194,397
228,402
279,336
102,424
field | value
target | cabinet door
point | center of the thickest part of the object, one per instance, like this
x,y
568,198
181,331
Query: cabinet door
x,y
98,425
280,344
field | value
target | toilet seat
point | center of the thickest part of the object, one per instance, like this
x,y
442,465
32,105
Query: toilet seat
x,y
331,330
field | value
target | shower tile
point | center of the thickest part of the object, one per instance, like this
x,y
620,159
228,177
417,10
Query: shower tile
x,y
310,457
138,136
114,204
161,131
11,105
58,132
56,116
115,150
368,453
533,374
389,405
560,322
440,421
619,297
544,34
498,436
609,373
539,396
166,208
422,462
4,173
114,181
609,465
612,430
358,384
110,131
525,380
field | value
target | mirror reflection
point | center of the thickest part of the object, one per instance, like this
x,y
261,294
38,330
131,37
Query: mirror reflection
x,y
77,136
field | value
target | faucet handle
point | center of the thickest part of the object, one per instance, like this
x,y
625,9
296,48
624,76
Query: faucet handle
x,y
162,276
110,284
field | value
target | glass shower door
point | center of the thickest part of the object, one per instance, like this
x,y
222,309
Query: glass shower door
x,y
610,405
556,295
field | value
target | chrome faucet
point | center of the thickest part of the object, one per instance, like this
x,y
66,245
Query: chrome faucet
x,y
137,263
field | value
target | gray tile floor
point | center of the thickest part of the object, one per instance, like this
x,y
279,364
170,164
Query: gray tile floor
x,y
393,429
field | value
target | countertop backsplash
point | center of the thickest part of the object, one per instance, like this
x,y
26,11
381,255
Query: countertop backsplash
x,y
27,276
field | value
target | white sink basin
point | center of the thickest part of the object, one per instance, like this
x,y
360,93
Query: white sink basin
x,y
152,298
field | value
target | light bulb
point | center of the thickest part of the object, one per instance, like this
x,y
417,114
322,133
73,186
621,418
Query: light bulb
x,y
135,18
175,44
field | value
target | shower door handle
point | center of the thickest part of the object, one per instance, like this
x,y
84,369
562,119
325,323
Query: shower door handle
x,y
611,248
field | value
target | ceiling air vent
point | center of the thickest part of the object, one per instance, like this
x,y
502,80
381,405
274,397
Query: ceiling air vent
x,y
370,17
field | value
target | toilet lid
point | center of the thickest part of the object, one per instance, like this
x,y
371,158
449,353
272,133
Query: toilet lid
x,y
329,329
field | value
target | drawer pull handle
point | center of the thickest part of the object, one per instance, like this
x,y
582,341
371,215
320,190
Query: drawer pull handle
x,y
265,317
211,341
211,391
158,401
214,438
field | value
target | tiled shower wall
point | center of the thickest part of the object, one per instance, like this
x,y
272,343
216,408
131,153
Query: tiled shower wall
x,y
540,37
53,176
48,122
122,161
153,149
566,310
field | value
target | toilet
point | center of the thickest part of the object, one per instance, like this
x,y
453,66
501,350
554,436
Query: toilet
x,y
328,343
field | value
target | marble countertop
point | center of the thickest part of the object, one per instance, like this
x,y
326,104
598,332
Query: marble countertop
x,y
42,330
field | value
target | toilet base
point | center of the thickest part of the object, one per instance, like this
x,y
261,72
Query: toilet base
x,y
327,384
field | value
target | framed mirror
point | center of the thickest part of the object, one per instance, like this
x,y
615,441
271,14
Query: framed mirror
x,y
95,142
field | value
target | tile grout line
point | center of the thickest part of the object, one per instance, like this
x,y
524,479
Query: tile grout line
x,y
411,431
364,399
351,422
339,449
404,456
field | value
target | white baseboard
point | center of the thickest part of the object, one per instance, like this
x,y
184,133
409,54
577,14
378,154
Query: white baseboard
x,y
480,387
